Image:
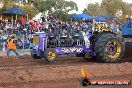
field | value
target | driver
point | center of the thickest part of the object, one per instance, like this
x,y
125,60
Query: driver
x,y
64,30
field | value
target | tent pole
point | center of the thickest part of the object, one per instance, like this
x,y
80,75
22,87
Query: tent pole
x,y
1,15
16,19
12,17
27,17
71,20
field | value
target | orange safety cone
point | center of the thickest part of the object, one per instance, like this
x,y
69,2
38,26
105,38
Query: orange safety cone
x,y
4,51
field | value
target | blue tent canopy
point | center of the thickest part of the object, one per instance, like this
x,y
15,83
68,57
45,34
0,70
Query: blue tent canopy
x,y
15,10
110,17
82,16
100,18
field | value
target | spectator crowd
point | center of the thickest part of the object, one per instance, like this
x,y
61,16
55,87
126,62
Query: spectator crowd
x,y
23,30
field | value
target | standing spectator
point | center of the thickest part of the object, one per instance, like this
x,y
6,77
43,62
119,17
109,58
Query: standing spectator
x,y
11,46
0,20
43,19
6,20
22,20
36,24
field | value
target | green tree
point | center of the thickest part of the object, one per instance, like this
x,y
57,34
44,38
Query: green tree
x,y
57,8
112,6
108,7
94,9
32,11
127,9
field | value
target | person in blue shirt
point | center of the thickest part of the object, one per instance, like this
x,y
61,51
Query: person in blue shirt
x,y
112,27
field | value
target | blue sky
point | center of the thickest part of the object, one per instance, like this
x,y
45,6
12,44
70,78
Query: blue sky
x,y
82,3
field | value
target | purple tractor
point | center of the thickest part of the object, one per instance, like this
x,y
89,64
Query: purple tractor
x,y
102,46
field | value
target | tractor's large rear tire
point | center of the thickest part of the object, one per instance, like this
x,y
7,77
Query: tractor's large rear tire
x,y
109,48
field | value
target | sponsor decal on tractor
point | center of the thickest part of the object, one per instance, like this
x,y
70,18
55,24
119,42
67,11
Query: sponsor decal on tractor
x,y
74,49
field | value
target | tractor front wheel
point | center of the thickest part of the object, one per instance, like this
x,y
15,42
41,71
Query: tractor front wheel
x,y
50,55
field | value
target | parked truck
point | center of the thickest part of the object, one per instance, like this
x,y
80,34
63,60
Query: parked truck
x,y
127,28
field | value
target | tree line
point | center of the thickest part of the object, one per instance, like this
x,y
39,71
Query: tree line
x,y
108,7
56,8
61,8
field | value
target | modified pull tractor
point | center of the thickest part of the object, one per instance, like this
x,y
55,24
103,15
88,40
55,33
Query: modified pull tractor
x,y
104,46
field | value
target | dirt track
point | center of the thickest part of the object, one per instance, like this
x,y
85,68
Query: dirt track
x,y
65,72
29,73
